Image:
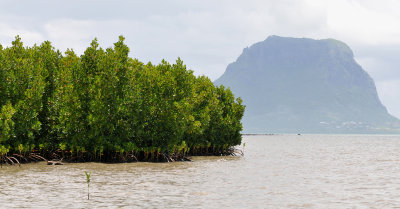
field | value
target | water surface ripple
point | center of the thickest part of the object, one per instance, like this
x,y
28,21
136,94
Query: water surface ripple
x,y
278,171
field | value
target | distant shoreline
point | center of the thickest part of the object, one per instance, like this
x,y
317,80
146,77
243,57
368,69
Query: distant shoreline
x,y
268,134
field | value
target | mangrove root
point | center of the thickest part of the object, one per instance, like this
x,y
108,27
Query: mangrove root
x,y
21,157
187,159
38,157
11,159
12,162
54,163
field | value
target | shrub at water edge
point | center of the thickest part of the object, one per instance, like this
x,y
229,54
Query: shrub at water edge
x,y
105,106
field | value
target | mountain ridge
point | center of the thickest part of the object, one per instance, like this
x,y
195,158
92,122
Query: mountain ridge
x,y
302,85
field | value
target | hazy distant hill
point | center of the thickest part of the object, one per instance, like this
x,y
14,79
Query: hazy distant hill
x,y
300,85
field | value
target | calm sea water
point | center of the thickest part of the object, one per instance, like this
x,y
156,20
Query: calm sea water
x,y
279,171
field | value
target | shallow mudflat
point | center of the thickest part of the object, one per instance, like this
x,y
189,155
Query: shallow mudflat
x,y
278,171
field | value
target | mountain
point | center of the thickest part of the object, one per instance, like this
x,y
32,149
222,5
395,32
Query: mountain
x,y
301,85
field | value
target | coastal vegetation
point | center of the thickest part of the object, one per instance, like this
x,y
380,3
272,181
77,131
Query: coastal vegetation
x,y
105,106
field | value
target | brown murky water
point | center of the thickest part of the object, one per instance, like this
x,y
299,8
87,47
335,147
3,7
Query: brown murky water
x,y
283,171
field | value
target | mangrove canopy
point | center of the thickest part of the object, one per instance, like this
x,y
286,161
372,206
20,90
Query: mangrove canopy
x,y
105,106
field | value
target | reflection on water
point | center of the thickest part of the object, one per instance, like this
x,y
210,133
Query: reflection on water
x,y
281,171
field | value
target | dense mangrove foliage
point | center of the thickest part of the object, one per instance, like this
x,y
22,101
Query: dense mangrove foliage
x,y
105,106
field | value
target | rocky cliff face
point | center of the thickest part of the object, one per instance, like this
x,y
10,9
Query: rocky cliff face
x,y
299,85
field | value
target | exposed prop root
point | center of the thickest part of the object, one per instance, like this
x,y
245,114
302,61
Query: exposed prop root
x,y
36,157
237,152
4,160
168,158
32,159
118,157
133,156
54,163
16,160
13,160
165,157
55,156
21,157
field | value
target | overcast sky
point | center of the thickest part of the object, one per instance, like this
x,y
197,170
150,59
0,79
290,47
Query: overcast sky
x,y
210,34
